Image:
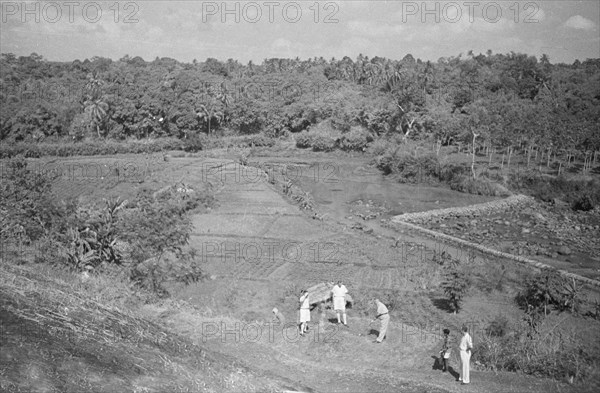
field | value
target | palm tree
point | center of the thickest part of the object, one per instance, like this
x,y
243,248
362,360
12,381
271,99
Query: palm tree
x,y
96,109
215,106
94,84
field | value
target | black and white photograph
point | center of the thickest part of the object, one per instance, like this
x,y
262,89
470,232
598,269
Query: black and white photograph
x,y
308,196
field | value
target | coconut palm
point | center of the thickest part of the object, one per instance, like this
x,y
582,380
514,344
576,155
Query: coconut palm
x,y
96,108
215,106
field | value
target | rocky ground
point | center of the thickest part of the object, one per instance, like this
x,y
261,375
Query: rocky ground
x,y
525,227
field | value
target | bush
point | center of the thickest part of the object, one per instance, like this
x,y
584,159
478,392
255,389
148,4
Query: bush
x,y
93,242
498,327
547,290
323,143
479,186
456,284
89,148
27,205
158,230
580,194
547,353
259,140
323,137
451,172
356,140
304,140
146,238
194,144
410,167
378,147
585,202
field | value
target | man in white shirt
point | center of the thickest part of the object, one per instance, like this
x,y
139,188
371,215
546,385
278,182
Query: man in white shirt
x,y
304,312
339,292
466,344
384,318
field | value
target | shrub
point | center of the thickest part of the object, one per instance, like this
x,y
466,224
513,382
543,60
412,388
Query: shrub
x,y
259,140
323,143
148,238
548,353
323,137
549,289
27,205
584,203
304,140
378,147
410,167
194,144
452,172
93,242
479,186
356,140
158,232
498,327
456,284
305,200
89,148
580,194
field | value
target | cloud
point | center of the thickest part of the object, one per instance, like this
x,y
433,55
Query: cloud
x,y
353,46
499,27
357,5
580,23
372,29
281,43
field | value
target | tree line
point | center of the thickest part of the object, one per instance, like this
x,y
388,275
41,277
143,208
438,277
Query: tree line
x,y
489,101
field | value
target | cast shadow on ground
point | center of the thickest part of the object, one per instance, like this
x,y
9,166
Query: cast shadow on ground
x,y
333,320
442,304
438,365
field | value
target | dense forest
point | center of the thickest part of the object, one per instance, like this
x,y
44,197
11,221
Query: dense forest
x,y
504,101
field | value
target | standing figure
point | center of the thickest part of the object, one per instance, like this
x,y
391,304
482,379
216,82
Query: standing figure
x,y
304,311
339,292
466,344
384,318
445,352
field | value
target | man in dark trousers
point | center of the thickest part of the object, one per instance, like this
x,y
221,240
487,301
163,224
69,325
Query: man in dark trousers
x,y
445,352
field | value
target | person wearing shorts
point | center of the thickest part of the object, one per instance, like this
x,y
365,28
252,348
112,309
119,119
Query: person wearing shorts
x,y
339,292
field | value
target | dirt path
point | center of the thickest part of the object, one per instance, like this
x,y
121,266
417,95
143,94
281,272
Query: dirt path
x,y
258,238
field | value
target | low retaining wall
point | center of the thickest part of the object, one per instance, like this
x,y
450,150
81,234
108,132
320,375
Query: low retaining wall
x,y
487,207
483,207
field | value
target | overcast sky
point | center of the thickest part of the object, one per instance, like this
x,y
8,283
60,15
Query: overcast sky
x,y
187,30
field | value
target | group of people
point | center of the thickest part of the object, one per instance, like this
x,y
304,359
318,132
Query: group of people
x,y
338,293
465,347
